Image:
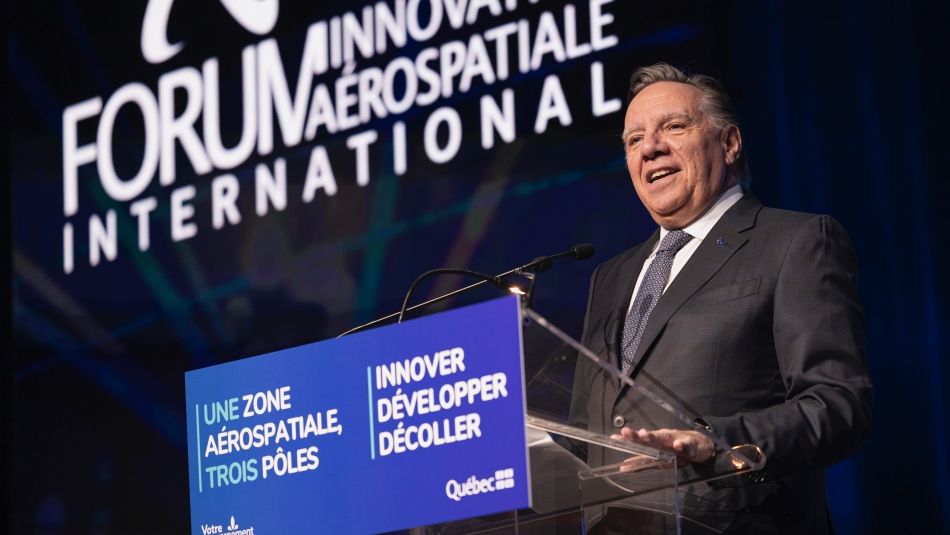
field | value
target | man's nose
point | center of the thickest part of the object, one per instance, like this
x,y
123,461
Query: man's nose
x,y
653,145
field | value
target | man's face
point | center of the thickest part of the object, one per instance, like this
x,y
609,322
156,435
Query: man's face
x,y
678,160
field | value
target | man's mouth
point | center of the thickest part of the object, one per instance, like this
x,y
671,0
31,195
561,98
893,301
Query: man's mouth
x,y
658,174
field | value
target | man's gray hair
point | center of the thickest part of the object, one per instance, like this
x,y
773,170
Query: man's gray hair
x,y
716,103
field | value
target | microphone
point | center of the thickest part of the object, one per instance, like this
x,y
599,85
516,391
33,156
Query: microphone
x,y
540,264
580,251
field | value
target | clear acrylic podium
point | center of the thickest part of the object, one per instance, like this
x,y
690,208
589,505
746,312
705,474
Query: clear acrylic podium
x,y
568,496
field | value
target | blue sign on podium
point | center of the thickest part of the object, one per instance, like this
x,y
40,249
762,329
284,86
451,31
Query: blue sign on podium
x,y
405,425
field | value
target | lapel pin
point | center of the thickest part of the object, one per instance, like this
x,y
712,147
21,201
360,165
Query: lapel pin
x,y
722,243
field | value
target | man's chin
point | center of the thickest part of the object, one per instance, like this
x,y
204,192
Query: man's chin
x,y
672,219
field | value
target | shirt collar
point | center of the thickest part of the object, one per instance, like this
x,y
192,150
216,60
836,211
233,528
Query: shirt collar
x,y
701,227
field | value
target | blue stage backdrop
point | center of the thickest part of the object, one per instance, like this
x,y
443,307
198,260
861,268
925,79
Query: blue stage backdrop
x,y
197,182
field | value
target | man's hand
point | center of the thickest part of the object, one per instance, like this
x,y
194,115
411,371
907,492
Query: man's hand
x,y
689,446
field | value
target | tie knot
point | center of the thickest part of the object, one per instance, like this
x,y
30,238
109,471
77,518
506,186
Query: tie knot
x,y
674,241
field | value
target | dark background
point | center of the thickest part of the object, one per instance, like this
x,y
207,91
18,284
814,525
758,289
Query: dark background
x,y
843,112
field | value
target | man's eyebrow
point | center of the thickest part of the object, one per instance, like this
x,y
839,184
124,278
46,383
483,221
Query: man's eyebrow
x,y
663,120
676,115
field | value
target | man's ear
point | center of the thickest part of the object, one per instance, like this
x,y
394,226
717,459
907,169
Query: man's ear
x,y
731,140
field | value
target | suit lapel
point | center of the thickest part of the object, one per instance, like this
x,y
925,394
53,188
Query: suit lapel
x,y
702,265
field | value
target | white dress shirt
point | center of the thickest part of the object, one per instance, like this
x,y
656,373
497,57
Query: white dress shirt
x,y
698,229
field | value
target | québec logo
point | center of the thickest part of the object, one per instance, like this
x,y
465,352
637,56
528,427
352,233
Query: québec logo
x,y
256,16
503,479
232,529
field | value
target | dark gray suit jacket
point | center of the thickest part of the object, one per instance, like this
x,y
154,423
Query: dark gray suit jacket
x,y
761,335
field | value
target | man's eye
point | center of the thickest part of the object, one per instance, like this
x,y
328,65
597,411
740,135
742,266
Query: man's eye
x,y
677,126
634,140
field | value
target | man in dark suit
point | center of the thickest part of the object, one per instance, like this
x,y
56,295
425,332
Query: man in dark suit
x,y
748,315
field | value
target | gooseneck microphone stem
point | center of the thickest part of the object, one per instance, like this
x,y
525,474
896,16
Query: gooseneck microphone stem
x,y
432,301
496,281
578,252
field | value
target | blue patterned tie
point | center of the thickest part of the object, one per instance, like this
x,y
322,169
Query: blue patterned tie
x,y
651,288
